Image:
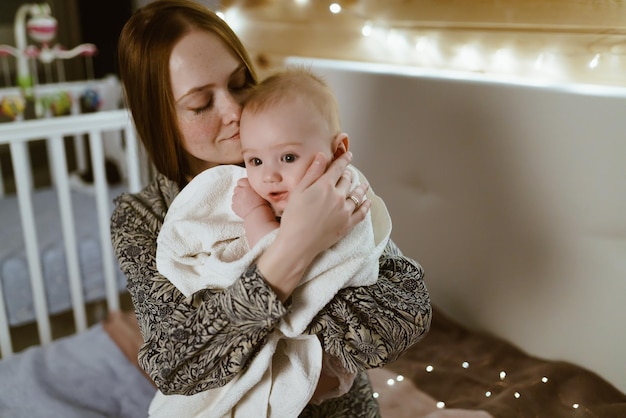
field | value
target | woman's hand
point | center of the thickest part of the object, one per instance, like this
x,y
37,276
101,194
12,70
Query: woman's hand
x,y
320,212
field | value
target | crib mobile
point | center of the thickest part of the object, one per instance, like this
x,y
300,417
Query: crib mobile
x,y
42,27
28,97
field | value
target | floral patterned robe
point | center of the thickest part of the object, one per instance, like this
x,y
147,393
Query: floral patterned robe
x,y
201,342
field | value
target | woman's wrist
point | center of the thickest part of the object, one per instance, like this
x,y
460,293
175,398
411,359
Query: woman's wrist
x,y
283,264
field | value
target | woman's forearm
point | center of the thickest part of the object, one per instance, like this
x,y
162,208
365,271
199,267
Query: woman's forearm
x,y
283,264
206,341
370,326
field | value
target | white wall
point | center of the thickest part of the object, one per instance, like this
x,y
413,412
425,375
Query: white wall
x,y
512,197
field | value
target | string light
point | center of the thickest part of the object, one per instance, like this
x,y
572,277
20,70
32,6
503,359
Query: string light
x,y
503,60
428,51
335,8
366,29
468,57
473,51
465,365
539,62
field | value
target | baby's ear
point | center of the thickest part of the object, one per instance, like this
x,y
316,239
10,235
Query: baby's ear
x,y
340,144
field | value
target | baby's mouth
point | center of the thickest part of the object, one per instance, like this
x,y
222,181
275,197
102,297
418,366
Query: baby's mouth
x,y
278,196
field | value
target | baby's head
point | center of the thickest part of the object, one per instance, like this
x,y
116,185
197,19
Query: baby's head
x,y
288,118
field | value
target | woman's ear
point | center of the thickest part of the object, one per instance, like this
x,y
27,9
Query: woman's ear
x,y
340,145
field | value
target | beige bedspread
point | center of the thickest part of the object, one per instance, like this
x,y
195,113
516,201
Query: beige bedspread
x,y
470,371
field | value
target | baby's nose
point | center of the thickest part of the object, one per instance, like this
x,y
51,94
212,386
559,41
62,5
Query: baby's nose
x,y
271,175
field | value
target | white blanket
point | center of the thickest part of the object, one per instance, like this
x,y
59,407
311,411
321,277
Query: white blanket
x,y
202,244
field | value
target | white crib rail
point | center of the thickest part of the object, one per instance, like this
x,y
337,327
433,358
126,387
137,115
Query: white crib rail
x,y
97,127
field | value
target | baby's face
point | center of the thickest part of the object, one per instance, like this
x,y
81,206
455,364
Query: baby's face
x,y
279,145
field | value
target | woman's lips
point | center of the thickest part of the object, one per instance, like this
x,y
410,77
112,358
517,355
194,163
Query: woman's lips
x,y
234,137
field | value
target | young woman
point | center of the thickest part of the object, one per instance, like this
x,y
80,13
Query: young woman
x,y
186,75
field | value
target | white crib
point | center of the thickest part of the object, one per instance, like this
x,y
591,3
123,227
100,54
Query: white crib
x,y
80,212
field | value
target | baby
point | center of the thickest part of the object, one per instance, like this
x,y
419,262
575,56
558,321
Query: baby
x,y
290,118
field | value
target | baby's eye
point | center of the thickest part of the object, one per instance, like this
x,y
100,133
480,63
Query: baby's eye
x,y
289,158
255,161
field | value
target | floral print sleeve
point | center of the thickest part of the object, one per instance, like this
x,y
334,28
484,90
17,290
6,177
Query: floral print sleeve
x,y
196,343
368,327
201,342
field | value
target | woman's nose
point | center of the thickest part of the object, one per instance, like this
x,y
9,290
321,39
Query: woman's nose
x,y
230,108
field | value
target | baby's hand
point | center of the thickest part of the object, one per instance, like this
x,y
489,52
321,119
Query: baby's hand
x,y
245,199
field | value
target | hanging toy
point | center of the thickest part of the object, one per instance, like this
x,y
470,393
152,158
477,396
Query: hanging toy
x,y
13,107
61,104
57,104
90,101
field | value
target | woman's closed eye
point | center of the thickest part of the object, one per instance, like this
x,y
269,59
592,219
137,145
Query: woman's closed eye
x,y
204,108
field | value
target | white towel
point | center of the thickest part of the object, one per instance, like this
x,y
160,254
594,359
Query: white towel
x,y
202,244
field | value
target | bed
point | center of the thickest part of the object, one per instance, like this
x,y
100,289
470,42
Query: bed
x,y
484,184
